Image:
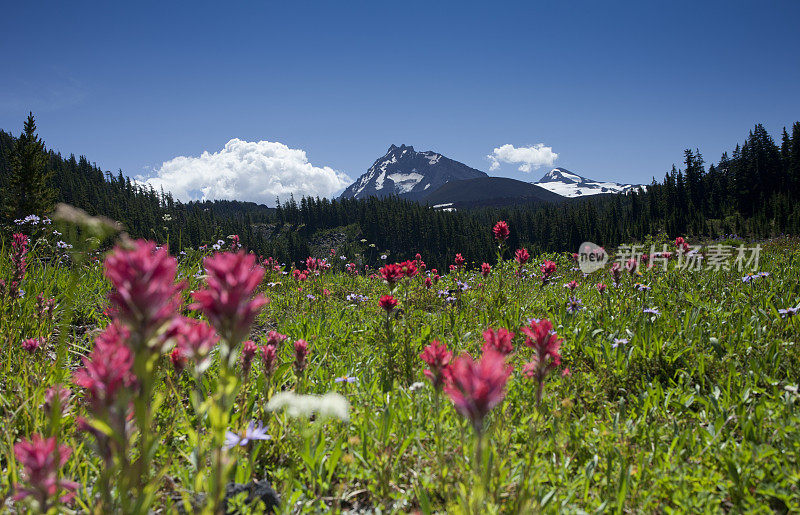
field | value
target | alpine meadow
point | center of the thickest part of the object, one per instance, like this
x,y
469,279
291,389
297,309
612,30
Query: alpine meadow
x,y
281,317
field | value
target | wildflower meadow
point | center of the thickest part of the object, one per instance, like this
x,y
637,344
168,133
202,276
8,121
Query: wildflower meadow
x,y
141,378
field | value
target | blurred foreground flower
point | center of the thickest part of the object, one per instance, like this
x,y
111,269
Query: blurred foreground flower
x,y
41,458
329,405
475,387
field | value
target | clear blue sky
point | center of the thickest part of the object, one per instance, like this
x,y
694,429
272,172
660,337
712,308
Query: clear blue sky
x,y
617,89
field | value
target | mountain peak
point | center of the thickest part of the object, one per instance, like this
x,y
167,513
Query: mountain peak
x,y
563,175
400,149
410,174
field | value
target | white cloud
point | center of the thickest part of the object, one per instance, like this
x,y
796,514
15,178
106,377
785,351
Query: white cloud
x,y
249,171
528,158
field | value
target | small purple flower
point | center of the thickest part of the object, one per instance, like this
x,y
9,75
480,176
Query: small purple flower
x,y
651,311
346,379
618,342
788,312
752,276
254,431
641,287
574,305
356,298
311,297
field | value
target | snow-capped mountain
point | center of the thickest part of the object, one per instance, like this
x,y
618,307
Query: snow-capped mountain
x,y
404,172
568,184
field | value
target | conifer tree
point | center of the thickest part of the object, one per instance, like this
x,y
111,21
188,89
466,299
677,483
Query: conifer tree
x,y
29,189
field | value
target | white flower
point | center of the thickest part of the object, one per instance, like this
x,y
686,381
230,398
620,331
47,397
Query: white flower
x,y
329,405
416,386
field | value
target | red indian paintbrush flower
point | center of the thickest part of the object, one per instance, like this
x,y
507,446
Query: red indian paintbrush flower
x,y
145,295
459,261
228,300
249,349
522,256
19,249
486,269
392,273
275,338
41,458
475,387
194,338
409,268
300,356
498,341
178,359
501,231
428,282
387,302
269,355
57,394
631,265
108,368
601,287
546,343
437,357
31,344
616,273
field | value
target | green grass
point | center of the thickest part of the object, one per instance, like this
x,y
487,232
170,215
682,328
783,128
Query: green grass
x,y
698,412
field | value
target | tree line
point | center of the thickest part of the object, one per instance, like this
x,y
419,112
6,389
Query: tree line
x,y
753,192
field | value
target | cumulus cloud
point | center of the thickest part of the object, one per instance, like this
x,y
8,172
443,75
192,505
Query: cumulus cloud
x,y
249,171
528,158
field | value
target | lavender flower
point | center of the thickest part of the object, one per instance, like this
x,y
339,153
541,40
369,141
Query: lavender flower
x,y
651,311
346,379
788,312
574,305
254,431
619,341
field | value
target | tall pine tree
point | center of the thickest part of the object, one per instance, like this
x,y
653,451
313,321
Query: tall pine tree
x,y
29,188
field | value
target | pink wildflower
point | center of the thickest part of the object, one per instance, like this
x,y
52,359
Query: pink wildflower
x,y
41,458
392,273
387,302
228,300
275,338
498,341
475,387
249,349
546,343
31,344
437,357
269,356
300,356
145,295
501,231
486,269
194,338
108,368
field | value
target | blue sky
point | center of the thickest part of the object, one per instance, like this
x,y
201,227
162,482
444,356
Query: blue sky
x,y
616,89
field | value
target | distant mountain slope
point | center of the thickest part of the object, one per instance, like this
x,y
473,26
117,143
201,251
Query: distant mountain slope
x,y
488,191
409,174
568,184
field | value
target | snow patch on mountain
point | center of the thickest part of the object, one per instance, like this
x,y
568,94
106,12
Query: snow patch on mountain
x,y
405,182
569,184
